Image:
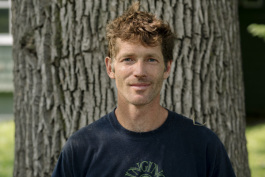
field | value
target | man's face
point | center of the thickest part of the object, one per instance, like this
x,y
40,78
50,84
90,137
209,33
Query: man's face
x,y
138,71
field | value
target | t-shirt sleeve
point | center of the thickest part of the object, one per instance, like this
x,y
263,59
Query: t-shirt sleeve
x,y
74,158
219,164
63,167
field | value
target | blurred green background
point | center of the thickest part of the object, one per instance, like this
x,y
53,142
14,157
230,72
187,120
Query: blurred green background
x,y
6,148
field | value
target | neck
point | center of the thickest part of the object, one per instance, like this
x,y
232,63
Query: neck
x,y
142,118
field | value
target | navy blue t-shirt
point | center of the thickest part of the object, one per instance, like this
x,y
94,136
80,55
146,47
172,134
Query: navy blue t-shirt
x,y
176,149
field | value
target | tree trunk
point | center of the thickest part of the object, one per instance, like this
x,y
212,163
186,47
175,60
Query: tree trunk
x,y
61,84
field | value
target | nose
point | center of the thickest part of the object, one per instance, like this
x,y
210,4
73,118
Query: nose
x,y
140,69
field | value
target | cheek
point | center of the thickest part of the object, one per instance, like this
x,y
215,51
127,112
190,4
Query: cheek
x,y
120,77
123,71
160,72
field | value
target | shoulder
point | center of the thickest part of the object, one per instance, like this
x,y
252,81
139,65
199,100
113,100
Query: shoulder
x,y
188,128
197,138
206,144
81,148
90,134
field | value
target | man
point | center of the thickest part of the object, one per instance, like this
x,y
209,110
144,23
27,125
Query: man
x,y
140,138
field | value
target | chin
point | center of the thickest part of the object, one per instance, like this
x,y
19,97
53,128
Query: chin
x,y
140,101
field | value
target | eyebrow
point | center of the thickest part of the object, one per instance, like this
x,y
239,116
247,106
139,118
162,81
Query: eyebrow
x,y
133,54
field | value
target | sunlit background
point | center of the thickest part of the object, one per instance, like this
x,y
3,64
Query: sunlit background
x,y
252,33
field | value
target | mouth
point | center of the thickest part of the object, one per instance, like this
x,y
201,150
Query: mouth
x,y
140,86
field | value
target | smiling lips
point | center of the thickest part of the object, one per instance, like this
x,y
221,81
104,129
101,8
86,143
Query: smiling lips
x,y
140,86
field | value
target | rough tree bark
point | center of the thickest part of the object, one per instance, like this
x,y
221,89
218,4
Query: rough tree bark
x,y
61,84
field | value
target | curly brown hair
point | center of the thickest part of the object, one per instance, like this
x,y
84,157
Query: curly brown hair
x,y
139,26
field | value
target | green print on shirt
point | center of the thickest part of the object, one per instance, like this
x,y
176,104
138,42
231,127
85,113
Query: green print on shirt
x,y
145,169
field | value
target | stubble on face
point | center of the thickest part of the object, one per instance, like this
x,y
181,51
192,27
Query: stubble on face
x,y
132,88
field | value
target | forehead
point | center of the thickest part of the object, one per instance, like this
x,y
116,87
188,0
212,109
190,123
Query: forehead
x,y
136,47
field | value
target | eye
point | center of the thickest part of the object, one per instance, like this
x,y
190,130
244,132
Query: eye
x,y
127,60
152,60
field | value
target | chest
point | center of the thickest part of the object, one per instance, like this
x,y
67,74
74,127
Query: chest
x,y
144,158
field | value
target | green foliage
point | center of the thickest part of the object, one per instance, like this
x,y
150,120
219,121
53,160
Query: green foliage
x,y
256,149
7,130
257,30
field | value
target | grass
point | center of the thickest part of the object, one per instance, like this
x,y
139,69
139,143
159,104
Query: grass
x,y
7,130
256,149
255,136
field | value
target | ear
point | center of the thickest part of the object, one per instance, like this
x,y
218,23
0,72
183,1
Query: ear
x,y
168,69
109,65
